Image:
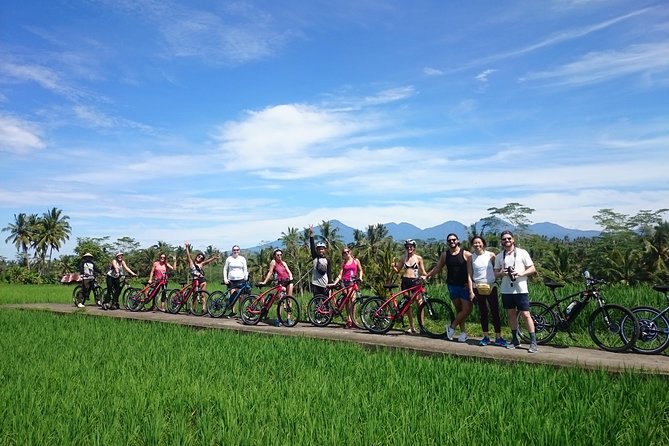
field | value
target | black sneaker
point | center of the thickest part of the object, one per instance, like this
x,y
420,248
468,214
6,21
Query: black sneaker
x,y
115,306
105,306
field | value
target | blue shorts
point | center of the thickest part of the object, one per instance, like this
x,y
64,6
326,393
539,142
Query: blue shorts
x,y
520,301
458,292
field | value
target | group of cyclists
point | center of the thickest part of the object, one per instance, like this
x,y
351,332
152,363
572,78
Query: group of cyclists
x,y
471,277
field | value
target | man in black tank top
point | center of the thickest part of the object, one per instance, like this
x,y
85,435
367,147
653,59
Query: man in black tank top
x,y
455,259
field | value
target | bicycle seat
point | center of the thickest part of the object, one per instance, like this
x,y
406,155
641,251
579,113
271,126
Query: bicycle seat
x,y
553,285
183,282
661,288
389,286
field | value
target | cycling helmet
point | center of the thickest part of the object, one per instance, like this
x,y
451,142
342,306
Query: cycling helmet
x,y
320,245
409,242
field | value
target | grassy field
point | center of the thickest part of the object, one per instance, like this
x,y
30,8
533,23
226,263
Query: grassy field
x,y
73,379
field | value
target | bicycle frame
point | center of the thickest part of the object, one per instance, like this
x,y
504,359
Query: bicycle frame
x,y
148,293
590,293
255,308
220,302
346,291
400,311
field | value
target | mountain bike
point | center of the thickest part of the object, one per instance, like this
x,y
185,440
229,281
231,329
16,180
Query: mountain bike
x,y
653,326
434,315
321,309
222,303
255,308
138,298
612,327
97,290
189,293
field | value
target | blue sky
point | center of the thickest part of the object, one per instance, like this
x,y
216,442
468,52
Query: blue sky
x,y
223,122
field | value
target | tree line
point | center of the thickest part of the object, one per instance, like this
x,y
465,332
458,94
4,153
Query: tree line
x,y
630,249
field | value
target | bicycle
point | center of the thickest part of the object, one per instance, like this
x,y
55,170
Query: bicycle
x,y
138,298
220,302
321,309
653,326
612,327
434,315
255,307
97,290
190,293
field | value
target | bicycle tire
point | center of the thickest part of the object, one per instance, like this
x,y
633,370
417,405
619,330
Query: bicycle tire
x,y
545,323
76,297
434,317
653,331
378,319
136,300
288,311
217,304
613,328
197,302
319,312
251,310
175,301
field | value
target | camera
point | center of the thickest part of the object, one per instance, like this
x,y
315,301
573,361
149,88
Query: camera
x,y
511,272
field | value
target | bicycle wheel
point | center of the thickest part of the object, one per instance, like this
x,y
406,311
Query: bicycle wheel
x,y
653,331
545,323
288,311
217,304
76,295
197,302
613,328
174,301
319,312
251,310
378,319
434,316
136,300
356,311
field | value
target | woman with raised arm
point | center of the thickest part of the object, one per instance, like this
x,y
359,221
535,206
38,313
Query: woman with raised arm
x,y
279,267
413,270
197,269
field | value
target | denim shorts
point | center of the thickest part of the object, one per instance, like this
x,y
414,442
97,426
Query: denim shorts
x,y
458,292
519,301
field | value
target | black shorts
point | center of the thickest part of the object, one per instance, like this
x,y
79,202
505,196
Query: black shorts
x,y
408,282
236,283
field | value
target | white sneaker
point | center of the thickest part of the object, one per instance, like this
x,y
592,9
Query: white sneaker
x,y
463,337
450,332
80,305
533,348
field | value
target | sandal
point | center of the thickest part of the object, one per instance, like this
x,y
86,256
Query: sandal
x,y
410,331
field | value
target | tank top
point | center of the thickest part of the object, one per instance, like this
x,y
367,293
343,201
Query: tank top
x,y
350,271
456,265
159,270
482,268
281,271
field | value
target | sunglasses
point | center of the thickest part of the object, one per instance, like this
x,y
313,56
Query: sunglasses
x,y
346,252
507,239
452,240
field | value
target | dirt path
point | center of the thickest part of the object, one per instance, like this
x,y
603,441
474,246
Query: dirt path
x,y
548,355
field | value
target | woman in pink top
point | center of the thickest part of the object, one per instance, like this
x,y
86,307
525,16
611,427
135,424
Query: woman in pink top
x,y
283,274
350,270
158,272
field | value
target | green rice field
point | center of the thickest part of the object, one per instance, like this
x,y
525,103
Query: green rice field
x,y
76,379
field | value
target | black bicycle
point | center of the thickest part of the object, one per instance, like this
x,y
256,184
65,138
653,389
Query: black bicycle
x,y
612,327
653,326
97,291
222,303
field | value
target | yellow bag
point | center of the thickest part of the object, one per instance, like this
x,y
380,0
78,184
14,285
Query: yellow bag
x,y
484,289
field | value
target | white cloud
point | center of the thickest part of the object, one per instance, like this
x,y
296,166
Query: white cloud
x,y
429,71
19,137
604,65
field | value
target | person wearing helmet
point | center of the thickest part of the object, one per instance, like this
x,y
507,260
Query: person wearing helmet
x,y
413,270
116,271
87,269
320,273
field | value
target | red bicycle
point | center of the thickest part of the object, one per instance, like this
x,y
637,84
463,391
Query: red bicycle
x,y
434,315
321,309
188,293
255,307
138,298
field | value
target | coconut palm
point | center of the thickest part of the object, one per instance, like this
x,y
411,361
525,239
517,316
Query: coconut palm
x,y
51,231
21,233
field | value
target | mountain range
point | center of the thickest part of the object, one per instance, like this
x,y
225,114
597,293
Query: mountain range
x,y
403,231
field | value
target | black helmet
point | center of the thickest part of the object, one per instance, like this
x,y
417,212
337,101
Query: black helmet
x,y
409,242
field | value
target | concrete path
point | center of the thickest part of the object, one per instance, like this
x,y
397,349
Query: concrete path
x,y
548,355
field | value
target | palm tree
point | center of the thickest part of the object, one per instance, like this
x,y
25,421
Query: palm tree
x,y
52,230
21,233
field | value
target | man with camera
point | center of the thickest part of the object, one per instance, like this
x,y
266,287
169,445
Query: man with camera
x,y
514,265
